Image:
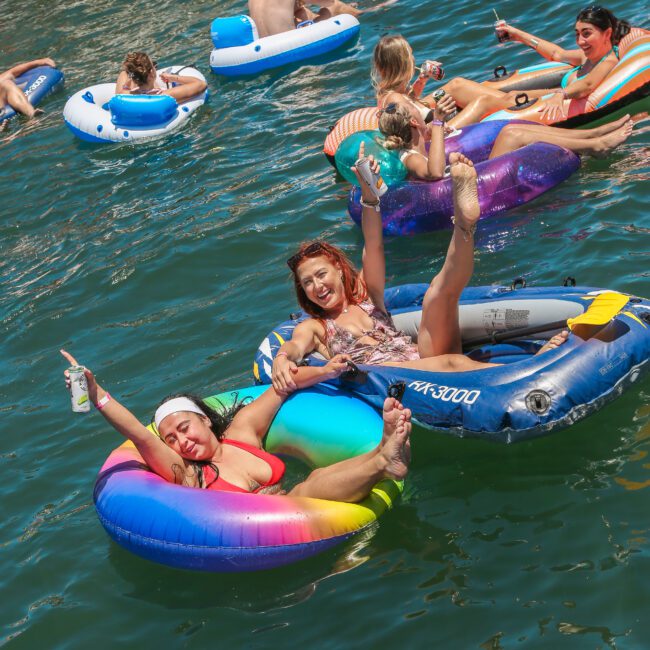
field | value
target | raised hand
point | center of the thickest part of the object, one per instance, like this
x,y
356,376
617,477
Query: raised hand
x,y
90,378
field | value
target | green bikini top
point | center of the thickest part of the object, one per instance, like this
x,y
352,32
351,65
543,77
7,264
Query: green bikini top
x,y
565,80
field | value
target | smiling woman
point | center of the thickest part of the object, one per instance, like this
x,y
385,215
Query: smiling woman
x,y
347,309
199,447
598,32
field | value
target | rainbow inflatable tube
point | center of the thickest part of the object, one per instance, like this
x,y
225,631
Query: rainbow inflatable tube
x,y
208,530
239,51
626,89
504,183
37,84
97,114
527,395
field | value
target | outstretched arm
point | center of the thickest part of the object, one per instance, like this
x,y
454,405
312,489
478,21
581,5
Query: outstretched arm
x,y
548,50
252,423
303,341
21,68
186,86
156,454
374,261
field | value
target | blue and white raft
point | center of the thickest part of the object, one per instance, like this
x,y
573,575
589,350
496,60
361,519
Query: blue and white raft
x,y
97,114
527,395
240,52
37,84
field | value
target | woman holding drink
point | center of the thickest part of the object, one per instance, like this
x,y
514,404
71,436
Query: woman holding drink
x,y
598,33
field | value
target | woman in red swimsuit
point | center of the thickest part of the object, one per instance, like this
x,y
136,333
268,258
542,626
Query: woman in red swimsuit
x,y
199,447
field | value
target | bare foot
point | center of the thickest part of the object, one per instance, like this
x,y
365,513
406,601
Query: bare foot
x,y
614,139
465,190
604,129
554,342
393,409
395,455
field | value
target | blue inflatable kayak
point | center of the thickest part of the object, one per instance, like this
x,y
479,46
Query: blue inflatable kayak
x,y
527,395
37,84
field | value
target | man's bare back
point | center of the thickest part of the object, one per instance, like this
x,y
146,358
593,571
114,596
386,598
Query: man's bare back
x,y
276,16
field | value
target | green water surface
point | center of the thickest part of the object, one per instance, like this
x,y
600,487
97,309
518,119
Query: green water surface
x,y
162,266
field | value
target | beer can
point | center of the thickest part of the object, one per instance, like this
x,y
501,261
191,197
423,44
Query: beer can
x,y
375,181
437,96
433,70
502,36
78,390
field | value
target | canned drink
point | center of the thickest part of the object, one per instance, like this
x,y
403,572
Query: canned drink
x,y
433,70
437,96
502,36
375,181
78,390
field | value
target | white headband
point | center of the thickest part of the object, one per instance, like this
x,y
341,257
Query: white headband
x,y
174,406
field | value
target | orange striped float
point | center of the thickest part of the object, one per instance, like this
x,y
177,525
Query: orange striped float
x,y
625,89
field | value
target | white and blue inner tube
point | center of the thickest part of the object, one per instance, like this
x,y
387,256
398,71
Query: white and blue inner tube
x,y
97,114
240,52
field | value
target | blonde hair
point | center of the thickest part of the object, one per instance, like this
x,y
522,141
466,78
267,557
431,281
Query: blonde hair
x,y
396,128
392,64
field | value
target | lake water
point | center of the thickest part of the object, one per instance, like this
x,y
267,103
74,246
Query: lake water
x,y
162,266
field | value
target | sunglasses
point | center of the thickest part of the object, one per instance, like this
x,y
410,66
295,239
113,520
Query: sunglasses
x,y
294,260
391,109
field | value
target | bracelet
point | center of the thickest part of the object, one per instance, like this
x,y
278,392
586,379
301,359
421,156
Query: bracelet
x,y
534,43
436,123
467,232
281,354
103,402
365,204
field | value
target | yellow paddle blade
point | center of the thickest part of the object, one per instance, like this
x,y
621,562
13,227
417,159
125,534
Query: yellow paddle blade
x,y
602,309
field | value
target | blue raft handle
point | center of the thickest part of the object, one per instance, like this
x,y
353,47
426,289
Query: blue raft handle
x,y
88,96
569,281
518,282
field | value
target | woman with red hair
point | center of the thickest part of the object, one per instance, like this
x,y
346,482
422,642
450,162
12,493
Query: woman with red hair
x,y
348,314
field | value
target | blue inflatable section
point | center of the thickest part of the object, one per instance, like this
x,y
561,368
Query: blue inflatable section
x,y
232,31
527,395
296,55
142,110
37,84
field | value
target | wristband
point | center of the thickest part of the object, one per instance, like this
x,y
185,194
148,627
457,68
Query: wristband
x,y
281,354
365,204
103,402
534,43
436,123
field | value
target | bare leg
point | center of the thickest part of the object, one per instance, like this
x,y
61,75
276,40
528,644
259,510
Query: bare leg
x,y
14,96
515,136
352,480
465,91
439,329
597,131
